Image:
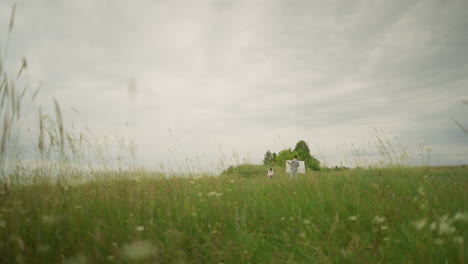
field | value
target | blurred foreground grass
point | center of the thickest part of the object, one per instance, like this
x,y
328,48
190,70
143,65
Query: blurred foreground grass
x,y
411,215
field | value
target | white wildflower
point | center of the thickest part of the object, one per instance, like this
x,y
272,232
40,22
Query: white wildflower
x,y
140,228
445,227
353,218
379,219
345,252
459,216
138,250
420,224
458,240
217,194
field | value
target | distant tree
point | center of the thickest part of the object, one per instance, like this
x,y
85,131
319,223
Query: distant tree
x,y
303,151
269,158
284,155
266,157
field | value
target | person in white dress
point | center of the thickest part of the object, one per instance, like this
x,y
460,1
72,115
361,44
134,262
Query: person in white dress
x,y
270,174
294,168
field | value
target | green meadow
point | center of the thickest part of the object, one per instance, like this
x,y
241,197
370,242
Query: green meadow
x,y
399,215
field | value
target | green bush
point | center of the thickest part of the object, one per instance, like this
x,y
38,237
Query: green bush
x,y
302,152
246,171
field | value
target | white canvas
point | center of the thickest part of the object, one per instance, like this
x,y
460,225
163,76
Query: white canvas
x,y
301,168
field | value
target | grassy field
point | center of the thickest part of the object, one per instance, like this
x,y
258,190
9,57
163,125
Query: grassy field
x,y
408,215
394,215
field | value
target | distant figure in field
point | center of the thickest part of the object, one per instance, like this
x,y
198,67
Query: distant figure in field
x,y
270,174
294,167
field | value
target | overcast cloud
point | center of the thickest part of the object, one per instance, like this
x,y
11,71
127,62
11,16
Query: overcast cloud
x,y
237,78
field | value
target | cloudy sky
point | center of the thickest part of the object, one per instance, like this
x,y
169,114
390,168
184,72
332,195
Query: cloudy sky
x,y
221,79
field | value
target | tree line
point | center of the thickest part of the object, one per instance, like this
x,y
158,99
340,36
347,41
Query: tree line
x,y
302,152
